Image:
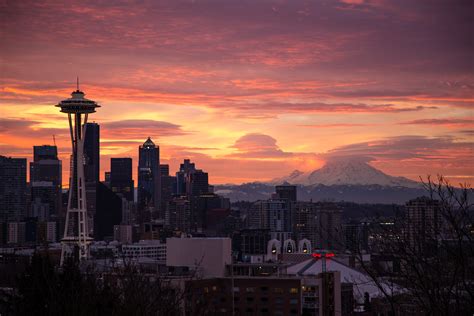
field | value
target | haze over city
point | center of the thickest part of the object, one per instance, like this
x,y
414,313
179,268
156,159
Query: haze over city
x,y
248,90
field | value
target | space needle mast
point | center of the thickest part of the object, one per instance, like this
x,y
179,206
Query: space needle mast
x,y
76,238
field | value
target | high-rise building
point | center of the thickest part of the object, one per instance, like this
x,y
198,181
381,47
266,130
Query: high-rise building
x,y
92,166
184,169
197,183
12,189
286,191
109,212
273,214
121,181
305,221
191,181
149,178
424,222
329,226
178,214
92,152
168,189
205,206
46,181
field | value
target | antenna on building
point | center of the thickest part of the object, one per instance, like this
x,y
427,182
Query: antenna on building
x,y
77,83
54,140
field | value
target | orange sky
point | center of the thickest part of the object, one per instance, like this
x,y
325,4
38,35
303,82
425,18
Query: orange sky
x,y
248,90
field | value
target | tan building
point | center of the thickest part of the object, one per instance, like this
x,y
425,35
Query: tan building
x,y
208,256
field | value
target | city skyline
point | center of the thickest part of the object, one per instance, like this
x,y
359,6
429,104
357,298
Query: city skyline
x,y
248,92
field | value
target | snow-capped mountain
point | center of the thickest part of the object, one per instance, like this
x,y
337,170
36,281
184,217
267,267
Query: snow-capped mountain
x,y
346,172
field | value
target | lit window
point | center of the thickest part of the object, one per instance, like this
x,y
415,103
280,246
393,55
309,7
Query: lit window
x,y
294,290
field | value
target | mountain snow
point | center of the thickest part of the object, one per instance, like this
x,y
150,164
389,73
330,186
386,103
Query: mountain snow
x,y
346,172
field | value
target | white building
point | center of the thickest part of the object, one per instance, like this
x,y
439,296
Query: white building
x,y
207,255
152,249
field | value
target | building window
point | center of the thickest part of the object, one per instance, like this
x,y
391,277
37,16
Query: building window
x,y
294,301
236,289
250,289
278,290
294,290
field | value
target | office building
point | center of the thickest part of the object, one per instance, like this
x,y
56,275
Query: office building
x,y
206,210
245,296
424,222
168,189
273,214
151,249
181,176
178,214
46,182
108,214
305,221
329,226
191,181
286,191
149,178
254,242
208,256
91,170
123,233
12,189
121,181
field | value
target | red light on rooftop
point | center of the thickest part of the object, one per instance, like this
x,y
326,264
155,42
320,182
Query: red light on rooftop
x,y
325,255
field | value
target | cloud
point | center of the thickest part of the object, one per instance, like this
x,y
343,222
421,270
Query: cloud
x,y
408,147
256,145
448,122
8,125
129,129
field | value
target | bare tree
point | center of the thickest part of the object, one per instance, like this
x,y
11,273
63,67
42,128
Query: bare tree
x,y
435,252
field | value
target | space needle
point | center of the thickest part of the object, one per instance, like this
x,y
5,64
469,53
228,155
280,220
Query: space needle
x,y
76,239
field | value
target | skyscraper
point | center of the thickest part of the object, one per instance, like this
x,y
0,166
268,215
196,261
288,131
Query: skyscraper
x,y
191,181
149,177
12,189
92,166
184,169
286,191
168,188
121,181
92,152
424,222
76,238
46,180
329,226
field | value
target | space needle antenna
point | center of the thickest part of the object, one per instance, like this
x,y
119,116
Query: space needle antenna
x,y
77,82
